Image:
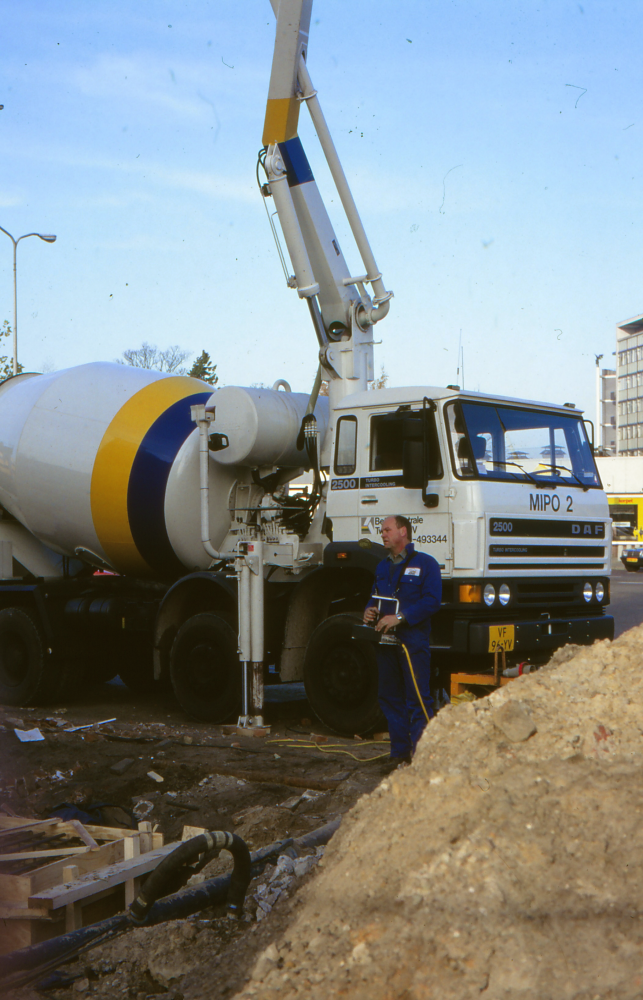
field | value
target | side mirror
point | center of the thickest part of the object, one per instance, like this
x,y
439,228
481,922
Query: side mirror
x,y
413,474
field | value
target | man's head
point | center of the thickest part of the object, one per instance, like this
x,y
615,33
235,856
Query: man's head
x,y
396,533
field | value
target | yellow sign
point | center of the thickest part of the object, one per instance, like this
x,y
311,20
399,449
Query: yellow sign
x,y
501,637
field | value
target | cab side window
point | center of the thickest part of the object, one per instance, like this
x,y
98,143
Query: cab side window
x,y
387,442
346,446
388,434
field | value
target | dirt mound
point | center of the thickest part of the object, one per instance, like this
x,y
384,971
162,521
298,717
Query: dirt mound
x,y
506,862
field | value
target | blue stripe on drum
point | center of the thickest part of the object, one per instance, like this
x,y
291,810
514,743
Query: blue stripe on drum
x,y
148,483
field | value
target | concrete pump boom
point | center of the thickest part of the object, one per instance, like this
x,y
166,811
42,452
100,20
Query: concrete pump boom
x,y
343,312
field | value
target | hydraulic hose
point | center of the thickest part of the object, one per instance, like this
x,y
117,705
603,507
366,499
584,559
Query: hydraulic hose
x,y
156,885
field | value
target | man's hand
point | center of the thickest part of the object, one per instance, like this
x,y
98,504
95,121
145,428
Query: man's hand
x,y
370,615
386,623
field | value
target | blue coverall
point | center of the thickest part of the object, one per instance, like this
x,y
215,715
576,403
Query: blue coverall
x,y
417,584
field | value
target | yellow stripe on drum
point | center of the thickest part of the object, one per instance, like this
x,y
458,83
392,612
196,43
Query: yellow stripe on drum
x,y
113,465
281,121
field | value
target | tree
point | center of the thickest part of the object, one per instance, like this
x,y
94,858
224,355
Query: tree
x,y
150,356
381,382
204,369
6,362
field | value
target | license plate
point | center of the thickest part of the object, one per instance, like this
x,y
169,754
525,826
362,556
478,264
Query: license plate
x,y
501,637
631,559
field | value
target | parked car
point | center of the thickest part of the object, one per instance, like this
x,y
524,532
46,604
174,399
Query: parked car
x,y
632,559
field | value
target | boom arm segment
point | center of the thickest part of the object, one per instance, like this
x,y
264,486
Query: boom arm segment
x,y
340,306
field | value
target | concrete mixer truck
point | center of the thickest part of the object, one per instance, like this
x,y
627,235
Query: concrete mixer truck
x,y
153,528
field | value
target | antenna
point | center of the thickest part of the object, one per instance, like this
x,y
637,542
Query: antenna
x,y
461,362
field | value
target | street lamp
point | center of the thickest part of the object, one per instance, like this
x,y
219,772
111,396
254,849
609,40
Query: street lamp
x,y
47,239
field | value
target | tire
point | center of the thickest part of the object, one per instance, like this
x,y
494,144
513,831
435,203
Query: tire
x,y
204,669
340,677
27,671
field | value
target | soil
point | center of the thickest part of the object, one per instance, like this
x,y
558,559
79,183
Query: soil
x,y
506,862
209,778
265,789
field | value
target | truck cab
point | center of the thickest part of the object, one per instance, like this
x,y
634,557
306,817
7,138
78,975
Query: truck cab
x,y
503,493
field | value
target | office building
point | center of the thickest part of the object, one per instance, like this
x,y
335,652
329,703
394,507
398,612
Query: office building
x,y
629,387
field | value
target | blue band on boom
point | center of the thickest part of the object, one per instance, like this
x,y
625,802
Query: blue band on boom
x,y
148,482
297,166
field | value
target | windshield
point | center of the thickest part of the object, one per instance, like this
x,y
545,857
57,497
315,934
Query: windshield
x,y
507,442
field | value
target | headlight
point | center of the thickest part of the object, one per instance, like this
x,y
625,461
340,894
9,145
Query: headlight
x,y
489,595
504,594
600,591
588,592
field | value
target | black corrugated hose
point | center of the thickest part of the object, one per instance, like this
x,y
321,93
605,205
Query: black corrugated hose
x,y
157,882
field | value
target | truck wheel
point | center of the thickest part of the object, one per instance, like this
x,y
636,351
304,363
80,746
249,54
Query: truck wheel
x,y
204,669
26,671
340,676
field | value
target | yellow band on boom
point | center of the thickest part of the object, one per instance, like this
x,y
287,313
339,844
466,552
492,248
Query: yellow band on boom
x,y
281,121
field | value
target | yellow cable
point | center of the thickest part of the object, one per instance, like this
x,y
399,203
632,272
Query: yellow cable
x,y
333,748
415,683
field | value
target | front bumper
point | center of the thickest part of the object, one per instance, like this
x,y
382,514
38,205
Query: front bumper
x,y
545,634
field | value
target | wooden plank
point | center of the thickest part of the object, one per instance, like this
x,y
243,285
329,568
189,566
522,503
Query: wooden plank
x,y
73,914
104,878
7,822
83,834
97,832
132,850
192,831
461,682
50,875
37,825
14,888
32,855
109,832
9,912
145,831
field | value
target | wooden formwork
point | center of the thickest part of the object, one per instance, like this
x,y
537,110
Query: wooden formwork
x,y
88,873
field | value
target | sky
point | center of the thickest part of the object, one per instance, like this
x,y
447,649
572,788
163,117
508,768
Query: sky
x,y
493,149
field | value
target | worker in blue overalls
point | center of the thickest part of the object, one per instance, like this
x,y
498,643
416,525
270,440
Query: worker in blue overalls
x,y
414,579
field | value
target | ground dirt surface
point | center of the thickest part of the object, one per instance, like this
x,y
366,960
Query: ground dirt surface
x,y
506,862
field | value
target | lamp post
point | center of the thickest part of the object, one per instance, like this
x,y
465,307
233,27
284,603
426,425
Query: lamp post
x,y
47,239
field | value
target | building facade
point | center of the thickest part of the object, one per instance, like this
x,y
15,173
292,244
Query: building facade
x,y
629,387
